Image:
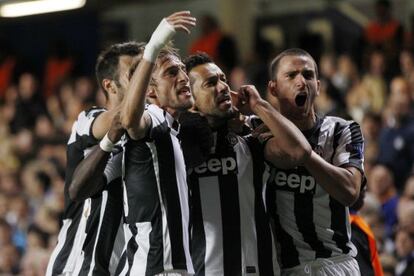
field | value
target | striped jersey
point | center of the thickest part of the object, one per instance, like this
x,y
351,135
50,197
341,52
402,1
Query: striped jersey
x,y
91,239
230,230
308,223
156,200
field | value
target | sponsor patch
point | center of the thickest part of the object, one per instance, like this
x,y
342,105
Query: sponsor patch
x,y
355,149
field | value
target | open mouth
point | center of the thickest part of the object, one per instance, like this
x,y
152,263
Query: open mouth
x,y
300,99
184,90
223,98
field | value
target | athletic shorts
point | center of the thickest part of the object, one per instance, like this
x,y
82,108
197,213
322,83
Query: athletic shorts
x,y
335,266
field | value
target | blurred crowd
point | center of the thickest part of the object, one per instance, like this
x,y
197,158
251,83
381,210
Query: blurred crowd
x,y
37,113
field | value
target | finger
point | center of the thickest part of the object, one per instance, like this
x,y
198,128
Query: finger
x,y
179,13
182,27
182,21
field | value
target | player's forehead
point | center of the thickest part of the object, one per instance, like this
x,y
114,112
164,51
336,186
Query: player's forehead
x,y
170,61
206,71
296,62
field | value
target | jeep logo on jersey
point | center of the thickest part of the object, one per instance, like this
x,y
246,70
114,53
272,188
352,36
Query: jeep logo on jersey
x,y
217,165
294,182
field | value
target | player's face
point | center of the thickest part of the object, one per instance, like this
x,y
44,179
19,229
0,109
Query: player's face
x,y
126,67
172,85
296,86
211,91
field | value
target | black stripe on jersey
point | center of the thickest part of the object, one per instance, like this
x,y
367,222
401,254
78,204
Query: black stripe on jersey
x,y
264,238
230,213
288,254
62,257
108,231
198,241
122,263
303,210
169,193
337,135
231,224
155,258
338,225
91,230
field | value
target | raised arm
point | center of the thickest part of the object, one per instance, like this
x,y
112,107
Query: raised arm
x,y
134,102
288,147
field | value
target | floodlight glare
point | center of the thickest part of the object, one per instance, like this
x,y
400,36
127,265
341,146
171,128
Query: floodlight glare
x,y
37,7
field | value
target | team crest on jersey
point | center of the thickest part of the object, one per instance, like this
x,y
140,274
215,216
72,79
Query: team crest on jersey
x,y
355,149
232,139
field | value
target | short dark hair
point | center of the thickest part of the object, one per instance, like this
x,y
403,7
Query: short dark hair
x,y
274,65
197,59
107,62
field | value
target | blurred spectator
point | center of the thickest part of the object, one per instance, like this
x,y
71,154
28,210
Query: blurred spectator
x,y
406,63
219,46
29,104
381,184
404,245
9,260
370,94
58,67
396,142
371,127
385,33
7,66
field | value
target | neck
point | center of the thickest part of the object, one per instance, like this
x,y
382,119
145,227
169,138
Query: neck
x,y
175,113
305,123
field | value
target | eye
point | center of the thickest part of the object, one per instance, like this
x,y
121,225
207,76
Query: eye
x,y
291,75
172,71
308,75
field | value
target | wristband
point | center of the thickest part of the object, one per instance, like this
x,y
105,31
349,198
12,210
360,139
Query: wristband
x,y
161,36
106,144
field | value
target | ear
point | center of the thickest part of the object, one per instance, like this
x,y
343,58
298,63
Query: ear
x,y
318,87
272,87
108,85
151,94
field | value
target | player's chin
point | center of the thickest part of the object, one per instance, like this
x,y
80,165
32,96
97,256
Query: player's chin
x,y
186,103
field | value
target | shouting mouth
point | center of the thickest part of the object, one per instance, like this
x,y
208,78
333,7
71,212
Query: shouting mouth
x,y
300,99
185,90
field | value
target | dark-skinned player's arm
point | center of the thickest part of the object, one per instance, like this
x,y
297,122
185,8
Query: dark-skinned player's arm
x,y
94,172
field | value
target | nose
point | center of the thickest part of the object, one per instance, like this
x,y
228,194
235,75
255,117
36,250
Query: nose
x,y
222,86
300,81
182,76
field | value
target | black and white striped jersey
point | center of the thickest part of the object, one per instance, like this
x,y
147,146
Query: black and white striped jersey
x,y
307,222
156,200
230,230
91,239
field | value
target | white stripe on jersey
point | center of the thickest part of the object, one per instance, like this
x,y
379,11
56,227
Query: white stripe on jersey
x,y
211,209
165,232
141,255
61,241
75,256
184,200
247,207
118,250
103,208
